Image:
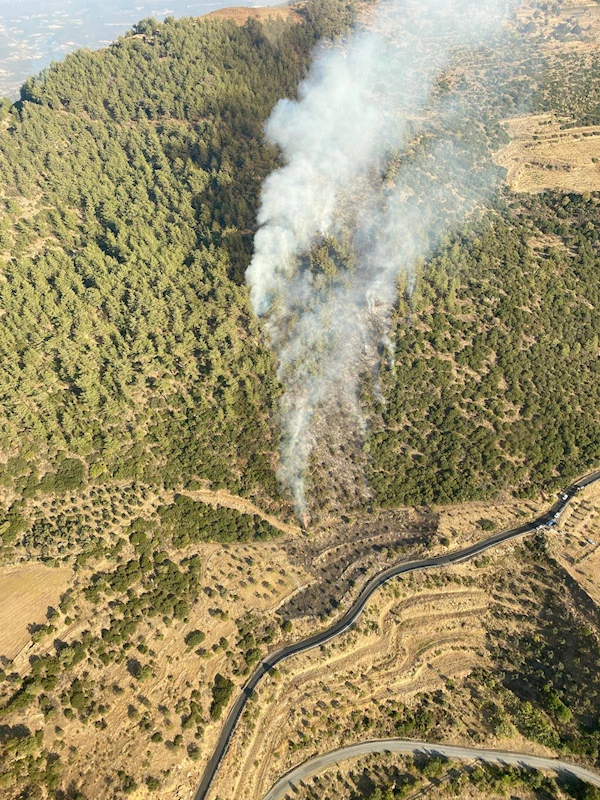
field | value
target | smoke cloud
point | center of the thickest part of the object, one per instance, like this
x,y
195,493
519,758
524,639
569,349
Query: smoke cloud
x,y
350,213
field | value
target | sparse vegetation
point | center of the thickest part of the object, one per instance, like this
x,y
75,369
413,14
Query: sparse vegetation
x,y
406,777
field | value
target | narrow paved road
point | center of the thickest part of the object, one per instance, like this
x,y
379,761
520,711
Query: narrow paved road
x,y
315,765
349,618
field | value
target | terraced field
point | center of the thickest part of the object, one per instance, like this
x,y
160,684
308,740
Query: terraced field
x,y
413,666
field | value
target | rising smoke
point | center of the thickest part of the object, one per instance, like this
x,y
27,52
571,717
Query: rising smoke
x,y
346,192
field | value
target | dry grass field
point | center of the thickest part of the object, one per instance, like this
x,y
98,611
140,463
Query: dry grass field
x,y
26,593
543,155
160,726
404,645
415,636
420,636
465,523
240,14
146,716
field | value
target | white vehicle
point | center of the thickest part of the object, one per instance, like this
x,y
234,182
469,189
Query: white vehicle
x,y
565,497
557,515
539,527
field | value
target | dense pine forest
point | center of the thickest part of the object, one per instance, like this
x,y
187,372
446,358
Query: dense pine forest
x,y
129,183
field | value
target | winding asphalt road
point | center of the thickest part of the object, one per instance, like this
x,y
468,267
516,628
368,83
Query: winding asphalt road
x,y
317,764
349,618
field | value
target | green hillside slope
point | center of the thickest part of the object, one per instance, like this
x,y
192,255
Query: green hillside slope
x,y
129,181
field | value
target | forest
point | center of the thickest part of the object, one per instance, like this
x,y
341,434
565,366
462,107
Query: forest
x,y
129,181
129,184
496,379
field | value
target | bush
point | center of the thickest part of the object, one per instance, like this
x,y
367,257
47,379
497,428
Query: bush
x,y
221,694
194,638
193,751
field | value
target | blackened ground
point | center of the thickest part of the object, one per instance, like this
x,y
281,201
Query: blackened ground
x,y
342,558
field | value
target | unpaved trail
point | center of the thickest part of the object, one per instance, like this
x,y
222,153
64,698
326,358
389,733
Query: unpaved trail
x,y
221,497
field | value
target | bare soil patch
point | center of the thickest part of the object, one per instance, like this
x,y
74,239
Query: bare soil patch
x,y
543,154
26,594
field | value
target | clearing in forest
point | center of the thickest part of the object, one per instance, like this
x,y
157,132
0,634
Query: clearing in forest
x,y
546,154
26,593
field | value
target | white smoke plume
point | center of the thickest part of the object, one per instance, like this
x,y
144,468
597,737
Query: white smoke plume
x,y
362,102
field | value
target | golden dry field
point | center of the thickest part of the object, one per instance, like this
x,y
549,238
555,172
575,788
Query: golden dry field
x,y
543,155
417,635
27,592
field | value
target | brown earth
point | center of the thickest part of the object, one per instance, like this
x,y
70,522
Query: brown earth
x,y
462,522
261,584
26,593
241,582
542,155
420,634
417,635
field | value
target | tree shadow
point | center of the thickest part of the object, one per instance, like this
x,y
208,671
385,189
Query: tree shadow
x,y
134,667
8,732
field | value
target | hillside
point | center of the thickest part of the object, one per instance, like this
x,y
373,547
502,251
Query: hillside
x,y
501,653
129,182
148,555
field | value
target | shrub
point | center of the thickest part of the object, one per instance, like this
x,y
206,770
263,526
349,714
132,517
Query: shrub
x,y
221,694
194,638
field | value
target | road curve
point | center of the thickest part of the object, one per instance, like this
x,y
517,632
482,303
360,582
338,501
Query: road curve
x,y
319,763
349,618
